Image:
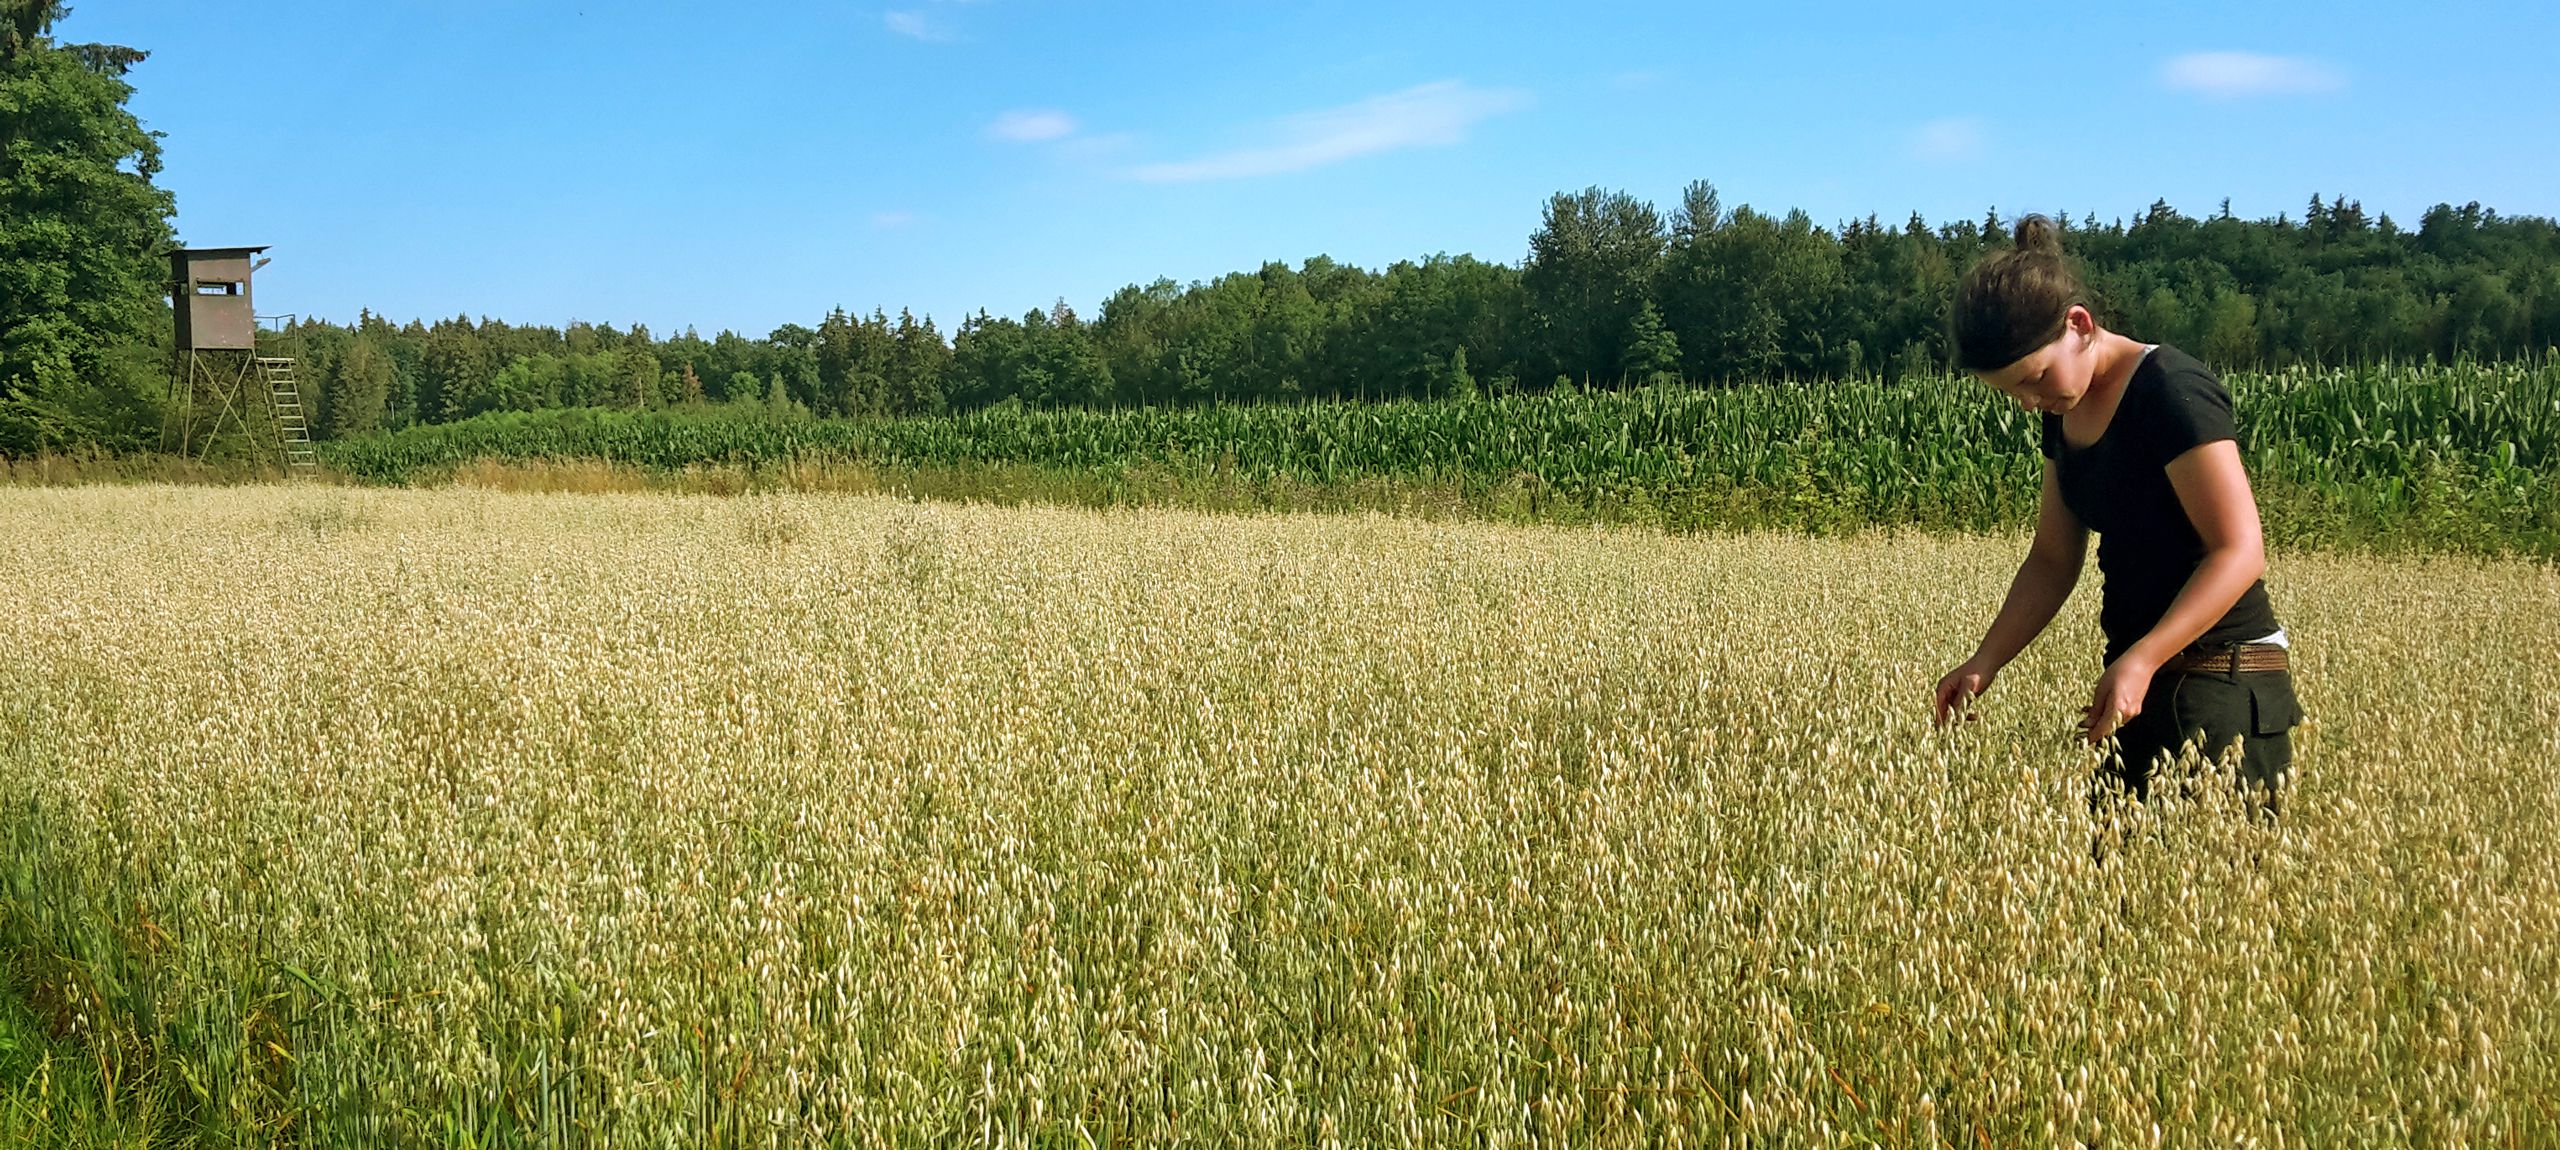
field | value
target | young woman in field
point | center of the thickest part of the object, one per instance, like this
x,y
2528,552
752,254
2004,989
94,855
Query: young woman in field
x,y
2139,446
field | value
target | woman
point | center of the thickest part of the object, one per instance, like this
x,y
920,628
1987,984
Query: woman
x,y
2140,447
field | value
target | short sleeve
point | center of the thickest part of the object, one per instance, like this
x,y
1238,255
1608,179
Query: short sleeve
x,y
2194,409
2051,437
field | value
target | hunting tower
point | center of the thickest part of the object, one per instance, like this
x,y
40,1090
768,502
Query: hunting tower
x,y
217,362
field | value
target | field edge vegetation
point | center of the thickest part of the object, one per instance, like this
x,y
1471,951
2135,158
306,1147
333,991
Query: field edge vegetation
x,y
2388,459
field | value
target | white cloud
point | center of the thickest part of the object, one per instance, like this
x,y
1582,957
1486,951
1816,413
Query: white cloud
x,y
2230,75
1433,115
1031,125
890,221
1949,141
917,26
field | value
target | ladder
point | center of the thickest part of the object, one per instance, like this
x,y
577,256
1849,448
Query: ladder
x,y
284,396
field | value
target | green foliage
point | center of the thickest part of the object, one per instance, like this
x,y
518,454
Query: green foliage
x,y
359,390
2466,457
1653,353
82,234
1590,267
1737,295
1460,383
52,1093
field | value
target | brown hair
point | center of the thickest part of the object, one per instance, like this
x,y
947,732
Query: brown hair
x,y
2013,302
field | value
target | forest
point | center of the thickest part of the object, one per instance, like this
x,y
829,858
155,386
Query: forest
x,y
1611,293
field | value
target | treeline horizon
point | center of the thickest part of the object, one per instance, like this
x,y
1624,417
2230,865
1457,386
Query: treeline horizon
x,y
1612,293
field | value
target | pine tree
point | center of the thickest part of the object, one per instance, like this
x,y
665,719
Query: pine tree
x,y
83,241
1653,354
360,389
1461,384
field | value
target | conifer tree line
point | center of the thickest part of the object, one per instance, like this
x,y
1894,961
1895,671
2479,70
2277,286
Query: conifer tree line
x,y
1611,293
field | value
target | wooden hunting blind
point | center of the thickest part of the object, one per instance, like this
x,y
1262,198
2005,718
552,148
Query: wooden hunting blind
x,y
216,357
210,288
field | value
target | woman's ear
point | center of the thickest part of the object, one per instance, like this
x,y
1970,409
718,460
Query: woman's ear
x,y
2080,322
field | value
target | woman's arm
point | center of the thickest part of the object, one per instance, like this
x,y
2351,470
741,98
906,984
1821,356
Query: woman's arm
x,y
2044,581
2213,488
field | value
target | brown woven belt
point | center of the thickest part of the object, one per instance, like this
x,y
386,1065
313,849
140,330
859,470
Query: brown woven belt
x,y
2232,660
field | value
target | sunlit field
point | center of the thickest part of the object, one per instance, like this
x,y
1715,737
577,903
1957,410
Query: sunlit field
x,y
459,818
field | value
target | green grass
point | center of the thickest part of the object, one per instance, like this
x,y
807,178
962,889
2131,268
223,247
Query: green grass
x,y
54,1090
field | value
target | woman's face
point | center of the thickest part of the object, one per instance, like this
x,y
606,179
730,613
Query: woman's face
x,y
2055,376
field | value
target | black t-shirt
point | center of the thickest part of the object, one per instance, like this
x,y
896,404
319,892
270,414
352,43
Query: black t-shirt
x,y
2119,488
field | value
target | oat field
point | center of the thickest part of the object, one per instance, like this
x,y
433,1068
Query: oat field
x,y
451,818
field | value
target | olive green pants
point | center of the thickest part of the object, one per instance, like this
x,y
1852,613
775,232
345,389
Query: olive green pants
x,y
2211,710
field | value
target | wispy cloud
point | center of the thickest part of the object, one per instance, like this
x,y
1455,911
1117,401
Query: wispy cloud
x,y
1433,115
1949,141
1032,125
917,25
891,221
2231,75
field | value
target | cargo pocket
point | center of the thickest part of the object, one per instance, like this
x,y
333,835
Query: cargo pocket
x,y
2272,706
2210,708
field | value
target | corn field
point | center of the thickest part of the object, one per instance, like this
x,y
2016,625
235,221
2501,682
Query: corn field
x,y
2464,458
451,818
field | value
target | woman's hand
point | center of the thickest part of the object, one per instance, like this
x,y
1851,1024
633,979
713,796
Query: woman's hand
x,y
2118,697
1958,688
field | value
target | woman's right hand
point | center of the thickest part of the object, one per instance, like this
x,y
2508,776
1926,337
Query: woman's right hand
x,y
1959,687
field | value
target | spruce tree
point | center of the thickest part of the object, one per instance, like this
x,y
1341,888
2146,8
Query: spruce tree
x,y
1462,384
84,237
1653,354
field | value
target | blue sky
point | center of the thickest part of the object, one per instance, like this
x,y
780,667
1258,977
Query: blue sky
x,y
677,165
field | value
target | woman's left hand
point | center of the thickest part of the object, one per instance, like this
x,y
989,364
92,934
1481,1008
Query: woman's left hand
x,y
2118,697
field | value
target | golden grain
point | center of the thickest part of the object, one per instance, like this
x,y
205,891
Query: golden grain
x,y
643,820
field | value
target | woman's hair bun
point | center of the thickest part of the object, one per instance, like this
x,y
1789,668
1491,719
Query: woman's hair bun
x,y
2036,234
2015,300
